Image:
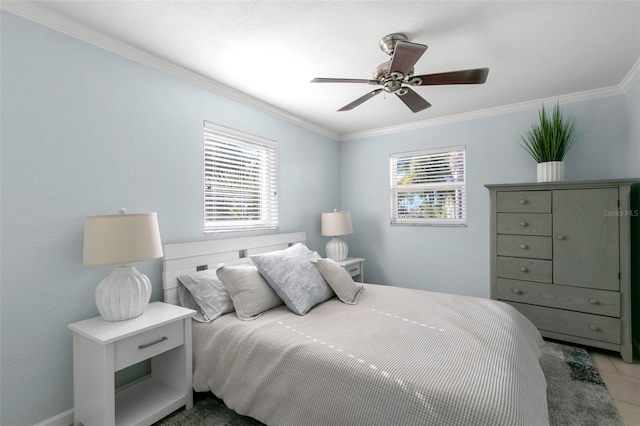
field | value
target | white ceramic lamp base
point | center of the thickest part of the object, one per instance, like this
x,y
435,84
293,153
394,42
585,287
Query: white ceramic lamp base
x,y
337,249
123,295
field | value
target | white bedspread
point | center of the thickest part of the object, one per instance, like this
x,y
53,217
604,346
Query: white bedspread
x,y
399,357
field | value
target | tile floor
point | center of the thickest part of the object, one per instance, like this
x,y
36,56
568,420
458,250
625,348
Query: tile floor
x,y
623,383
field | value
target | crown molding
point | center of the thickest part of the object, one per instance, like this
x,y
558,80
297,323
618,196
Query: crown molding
x,y
632,77
488,112
33,12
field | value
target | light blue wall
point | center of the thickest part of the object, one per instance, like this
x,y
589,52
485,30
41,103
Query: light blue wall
x,y
632,110
453,259
85,132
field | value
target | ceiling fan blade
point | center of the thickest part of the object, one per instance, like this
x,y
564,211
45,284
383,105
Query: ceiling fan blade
x,y
344,80
360,100
415,102
405,56
474,76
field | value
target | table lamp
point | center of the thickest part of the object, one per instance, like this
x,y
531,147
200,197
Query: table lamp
x,y
122,239
335,224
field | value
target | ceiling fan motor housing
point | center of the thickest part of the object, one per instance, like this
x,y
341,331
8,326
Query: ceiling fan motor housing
x,y
393,81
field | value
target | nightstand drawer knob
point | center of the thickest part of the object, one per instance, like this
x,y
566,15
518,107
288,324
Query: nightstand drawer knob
x,y
523,246
523,269
523,201
561,237
594,327
164,339
593,301
517,291
523,224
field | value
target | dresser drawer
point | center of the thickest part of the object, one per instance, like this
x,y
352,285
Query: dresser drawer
x,y
145,345
524,223
562,297
525,246
524,201
590,326
525,269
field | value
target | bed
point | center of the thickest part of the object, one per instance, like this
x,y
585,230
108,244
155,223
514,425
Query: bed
x,y
396,357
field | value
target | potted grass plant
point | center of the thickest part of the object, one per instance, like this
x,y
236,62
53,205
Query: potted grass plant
x,y
548,142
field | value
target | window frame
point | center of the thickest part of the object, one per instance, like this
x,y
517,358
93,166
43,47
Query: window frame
x,y
457,185
220,142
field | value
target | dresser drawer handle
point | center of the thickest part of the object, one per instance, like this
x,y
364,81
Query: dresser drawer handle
x,y
594,327
593,301
517,291
165,338
523,246
523,224
523,201
561,237
523,269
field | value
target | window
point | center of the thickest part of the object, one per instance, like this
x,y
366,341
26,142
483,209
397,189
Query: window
x,y
428,187
240,181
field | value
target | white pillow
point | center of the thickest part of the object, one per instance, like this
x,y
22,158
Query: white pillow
x,y
203,292
251,294
293,277
340,281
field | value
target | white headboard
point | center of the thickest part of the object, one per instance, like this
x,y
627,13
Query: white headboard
x,y
185,258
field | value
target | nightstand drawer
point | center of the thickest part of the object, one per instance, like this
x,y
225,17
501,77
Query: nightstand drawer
x,y
145,345
524,201
354,269
525,269
589,326
524,223
524,246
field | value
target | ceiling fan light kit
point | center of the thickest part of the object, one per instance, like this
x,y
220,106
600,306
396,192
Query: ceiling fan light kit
x,y
397,74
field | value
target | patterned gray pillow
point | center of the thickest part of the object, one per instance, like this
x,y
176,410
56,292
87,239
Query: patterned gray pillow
x,y
250,293
203,292
293,277
340,281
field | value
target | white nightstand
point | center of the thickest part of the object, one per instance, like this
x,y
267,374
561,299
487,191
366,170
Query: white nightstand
x,y
100,348
355,267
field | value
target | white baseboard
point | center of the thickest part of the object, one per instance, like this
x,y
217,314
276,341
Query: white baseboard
x,y
62,419
66,418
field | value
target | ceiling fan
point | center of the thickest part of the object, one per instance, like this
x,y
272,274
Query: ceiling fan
x,y
396,75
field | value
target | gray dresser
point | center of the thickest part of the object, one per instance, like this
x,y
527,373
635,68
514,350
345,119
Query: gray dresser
x,y
560,254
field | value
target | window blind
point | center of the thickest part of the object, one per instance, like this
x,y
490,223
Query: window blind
x,y
240,180
428,187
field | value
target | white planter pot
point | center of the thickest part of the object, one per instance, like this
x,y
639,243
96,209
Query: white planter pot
x,y
551,171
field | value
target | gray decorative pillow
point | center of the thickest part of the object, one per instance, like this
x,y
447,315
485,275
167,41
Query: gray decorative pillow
x,y
340,281
203,292
250,293
293,277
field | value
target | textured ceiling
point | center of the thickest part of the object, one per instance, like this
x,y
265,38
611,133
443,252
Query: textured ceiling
x,y
270,50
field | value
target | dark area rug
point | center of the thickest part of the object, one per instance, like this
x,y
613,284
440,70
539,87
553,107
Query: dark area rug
x,y
576,396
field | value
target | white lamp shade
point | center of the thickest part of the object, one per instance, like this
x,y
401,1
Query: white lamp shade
x,y
336,223
121,239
